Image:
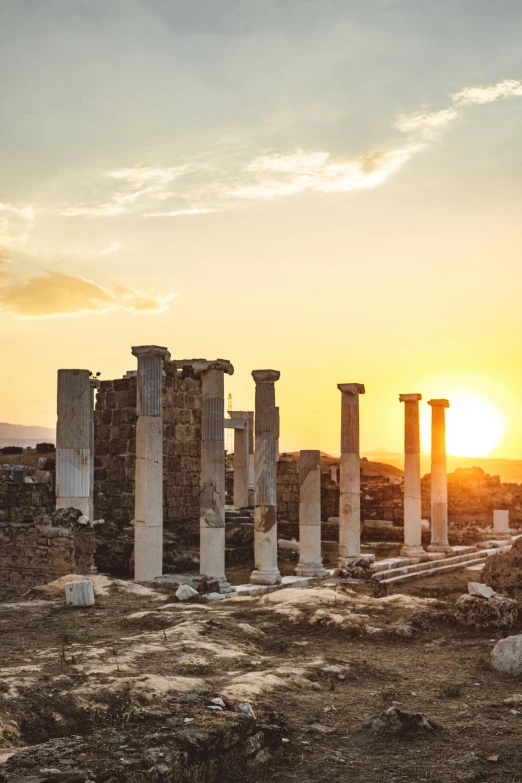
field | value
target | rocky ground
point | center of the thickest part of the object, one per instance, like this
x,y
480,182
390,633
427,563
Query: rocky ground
x,y
106,693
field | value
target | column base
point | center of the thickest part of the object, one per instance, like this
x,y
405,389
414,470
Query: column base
x,y
506,536
272,577
304,569
440,548
412,551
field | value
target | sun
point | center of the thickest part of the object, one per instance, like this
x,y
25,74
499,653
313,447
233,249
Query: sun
x,y
475,426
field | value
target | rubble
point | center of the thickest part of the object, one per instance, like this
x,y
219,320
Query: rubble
x,y
495,612
396,721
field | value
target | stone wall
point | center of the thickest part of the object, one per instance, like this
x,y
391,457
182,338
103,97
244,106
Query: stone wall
x,y
24,502
115,446
36,551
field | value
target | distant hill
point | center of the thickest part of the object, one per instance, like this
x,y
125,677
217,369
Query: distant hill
x,y
369,468
509,470
20,435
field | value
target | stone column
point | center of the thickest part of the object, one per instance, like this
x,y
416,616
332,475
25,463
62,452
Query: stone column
x,y
73,440
350,474
241,440
310,563
412,478
439,481
148,499
501,523
333,473
265,510
212,481
251,473
278,420
94,384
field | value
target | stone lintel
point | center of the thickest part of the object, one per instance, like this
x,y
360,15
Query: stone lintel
x,y
351,388
266,376
141,351
410,397
239,415
235,424
439,403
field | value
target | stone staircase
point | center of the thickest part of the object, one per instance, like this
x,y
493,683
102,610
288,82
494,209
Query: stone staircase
x,y
401,569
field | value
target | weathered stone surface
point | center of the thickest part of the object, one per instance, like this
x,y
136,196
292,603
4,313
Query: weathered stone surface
x,y
185,593
496,612
504,572
506,656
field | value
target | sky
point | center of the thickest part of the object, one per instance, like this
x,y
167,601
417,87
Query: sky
x,y
331,189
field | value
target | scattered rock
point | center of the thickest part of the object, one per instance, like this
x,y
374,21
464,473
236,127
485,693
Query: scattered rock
x,y
185,593
506,656
359,568
497,611
405,631
215,596
397,721
477,588
246,707
515,699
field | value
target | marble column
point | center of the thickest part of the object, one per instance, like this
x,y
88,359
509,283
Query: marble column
x,y
148,499
241,440
310,562
212,481
501,523
73,440
412,478
265,509
350,474
277,435
251,472
333,473
439,481
94,384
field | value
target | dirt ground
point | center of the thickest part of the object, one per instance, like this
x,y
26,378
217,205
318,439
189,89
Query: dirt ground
x,y
317,662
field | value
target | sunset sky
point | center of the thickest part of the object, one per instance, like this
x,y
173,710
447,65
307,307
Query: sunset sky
x,y
328,188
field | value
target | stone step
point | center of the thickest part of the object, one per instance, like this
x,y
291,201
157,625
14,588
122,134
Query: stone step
x,y
428,565
477,558
429,572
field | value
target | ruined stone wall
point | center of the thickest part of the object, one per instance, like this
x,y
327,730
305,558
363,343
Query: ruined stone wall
x,y
115,447
24,502
36,551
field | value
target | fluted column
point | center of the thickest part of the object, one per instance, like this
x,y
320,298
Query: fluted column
x,y
412,479
212,481
439,481
350,474
148,499
73,440
241,440
94,384
265,465
310,562
251,472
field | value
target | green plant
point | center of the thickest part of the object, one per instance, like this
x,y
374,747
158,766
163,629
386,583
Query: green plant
x,y
132,713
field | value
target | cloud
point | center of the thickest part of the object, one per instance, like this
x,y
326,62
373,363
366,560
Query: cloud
x,y
507,89
56,294
27,213
215,183
113,247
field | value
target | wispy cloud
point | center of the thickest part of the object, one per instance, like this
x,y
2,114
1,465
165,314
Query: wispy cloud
x,y
27,213
51,293
113,247
203,187
510,88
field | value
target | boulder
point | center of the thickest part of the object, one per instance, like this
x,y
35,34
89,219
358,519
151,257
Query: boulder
x,y
506,656
503,572
494,612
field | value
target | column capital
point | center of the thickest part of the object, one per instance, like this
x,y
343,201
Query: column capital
x,y
266,376
148,351
203,365
351,388
410,397
439,403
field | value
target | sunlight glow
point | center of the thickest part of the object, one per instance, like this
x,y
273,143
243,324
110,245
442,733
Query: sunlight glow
x,y
475,426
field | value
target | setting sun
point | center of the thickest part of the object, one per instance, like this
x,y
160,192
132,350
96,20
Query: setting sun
x,y
475,426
